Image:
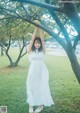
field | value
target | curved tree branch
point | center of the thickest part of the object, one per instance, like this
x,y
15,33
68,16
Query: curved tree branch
x,y
60,41
61,26
71,11
39,4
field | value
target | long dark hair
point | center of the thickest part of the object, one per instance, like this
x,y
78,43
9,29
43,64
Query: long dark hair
x,y
39,40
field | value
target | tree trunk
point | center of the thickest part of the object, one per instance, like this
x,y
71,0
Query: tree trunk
x,y
17,61
71,11
74,63
12,64
2,51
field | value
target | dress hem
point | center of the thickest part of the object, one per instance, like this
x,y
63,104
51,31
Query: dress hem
x,y
39,104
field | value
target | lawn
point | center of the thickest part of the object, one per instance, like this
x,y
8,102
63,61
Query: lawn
x,y
65,89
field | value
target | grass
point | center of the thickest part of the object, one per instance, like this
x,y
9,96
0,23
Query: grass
x,y
65,89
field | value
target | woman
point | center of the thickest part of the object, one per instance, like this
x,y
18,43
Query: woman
x,y
38,92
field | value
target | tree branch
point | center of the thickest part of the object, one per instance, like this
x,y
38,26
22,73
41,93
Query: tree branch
x,y
39,4
1,44
12,11
9,44
63,29
47,1
60,41
25,10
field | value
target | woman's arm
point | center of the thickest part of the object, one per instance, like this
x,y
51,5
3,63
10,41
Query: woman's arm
x,y
42,39
32,40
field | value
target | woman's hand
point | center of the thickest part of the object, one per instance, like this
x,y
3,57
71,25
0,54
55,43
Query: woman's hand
x,y
37,28
42,39
32,40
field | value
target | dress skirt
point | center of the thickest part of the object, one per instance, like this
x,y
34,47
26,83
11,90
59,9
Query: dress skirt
x,y
37,83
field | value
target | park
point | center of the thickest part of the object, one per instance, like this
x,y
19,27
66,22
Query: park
x,y
60,24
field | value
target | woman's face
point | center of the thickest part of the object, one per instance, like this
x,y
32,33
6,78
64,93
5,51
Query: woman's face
x,y
37,44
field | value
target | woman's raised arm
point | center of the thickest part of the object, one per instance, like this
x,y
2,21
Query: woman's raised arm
x,y
42,39
32,40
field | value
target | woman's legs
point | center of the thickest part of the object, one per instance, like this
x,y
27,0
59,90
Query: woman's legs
x,y
31,109
40,106
39,109
30,106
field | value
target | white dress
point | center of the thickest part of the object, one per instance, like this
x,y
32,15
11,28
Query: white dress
x,y
37,83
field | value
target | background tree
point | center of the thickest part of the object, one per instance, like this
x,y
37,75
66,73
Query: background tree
x,y
15,31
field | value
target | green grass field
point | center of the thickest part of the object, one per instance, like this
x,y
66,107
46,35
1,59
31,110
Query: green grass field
x,y
65,89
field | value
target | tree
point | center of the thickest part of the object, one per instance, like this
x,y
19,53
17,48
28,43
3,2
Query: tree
x,y
67,9
12,34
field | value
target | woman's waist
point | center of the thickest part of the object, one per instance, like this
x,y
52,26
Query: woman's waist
x,y
37,61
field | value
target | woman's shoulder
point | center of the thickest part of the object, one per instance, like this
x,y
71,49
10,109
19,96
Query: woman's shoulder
x,y
29,53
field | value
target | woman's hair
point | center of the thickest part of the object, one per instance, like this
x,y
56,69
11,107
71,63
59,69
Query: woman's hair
x,y
39,40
